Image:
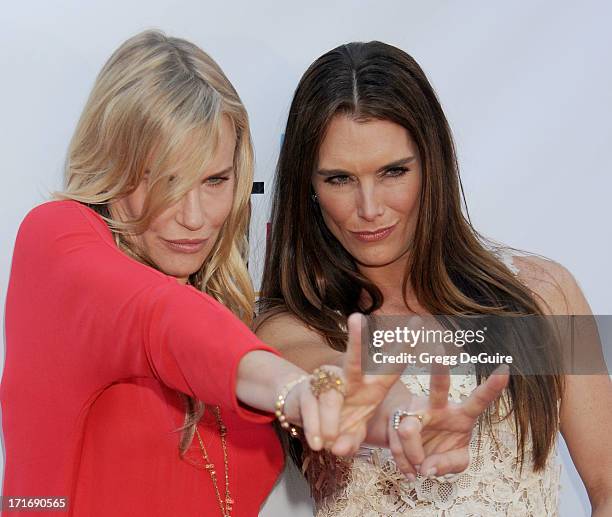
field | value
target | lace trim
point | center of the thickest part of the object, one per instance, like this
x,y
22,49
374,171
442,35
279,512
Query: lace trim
x,y
507,257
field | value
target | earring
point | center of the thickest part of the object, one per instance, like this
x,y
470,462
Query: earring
x,y
314,197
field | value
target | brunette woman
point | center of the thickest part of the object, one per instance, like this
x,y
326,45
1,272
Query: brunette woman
x,y
367,217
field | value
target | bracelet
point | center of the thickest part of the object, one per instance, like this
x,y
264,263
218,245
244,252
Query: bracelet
x,y
280,405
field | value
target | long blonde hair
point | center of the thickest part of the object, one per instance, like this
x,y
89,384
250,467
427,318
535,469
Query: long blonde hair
x,y
156,108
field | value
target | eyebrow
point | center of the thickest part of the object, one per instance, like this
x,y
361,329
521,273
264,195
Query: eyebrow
x,y
396,163
221,173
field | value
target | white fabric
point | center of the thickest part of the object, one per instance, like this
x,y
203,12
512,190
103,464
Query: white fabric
x,y
370,485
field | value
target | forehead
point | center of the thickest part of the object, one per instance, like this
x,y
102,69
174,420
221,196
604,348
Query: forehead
x,y
363,146
223,154
210,147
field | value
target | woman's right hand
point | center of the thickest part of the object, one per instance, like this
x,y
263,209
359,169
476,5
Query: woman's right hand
x,y
335,421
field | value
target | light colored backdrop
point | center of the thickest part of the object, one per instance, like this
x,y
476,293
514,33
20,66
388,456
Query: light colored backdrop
x,y
527,87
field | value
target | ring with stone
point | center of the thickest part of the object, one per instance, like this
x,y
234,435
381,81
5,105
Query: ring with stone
x,y
400,414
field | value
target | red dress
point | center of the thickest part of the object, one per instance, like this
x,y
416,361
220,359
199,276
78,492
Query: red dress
x,y
97,346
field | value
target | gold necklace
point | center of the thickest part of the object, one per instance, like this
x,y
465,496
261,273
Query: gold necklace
x,y
226,509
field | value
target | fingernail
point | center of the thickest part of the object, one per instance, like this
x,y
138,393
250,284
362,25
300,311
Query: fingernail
x,y
417,468
431,472
411,477
317,442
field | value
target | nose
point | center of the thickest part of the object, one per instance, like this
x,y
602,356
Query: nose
x,y
369,206
190,213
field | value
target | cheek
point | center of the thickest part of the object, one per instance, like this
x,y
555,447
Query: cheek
x,y
406,203
219,207
406,198
160,227
336,210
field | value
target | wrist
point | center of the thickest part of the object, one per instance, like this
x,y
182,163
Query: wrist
x,y
287,406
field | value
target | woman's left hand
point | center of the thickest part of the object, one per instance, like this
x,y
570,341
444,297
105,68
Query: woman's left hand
x,y
440,440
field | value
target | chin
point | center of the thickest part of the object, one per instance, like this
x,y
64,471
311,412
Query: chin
x,y
181,272
378,260
373,261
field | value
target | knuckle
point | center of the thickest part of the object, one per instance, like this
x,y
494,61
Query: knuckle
x,y
328,434
415,458
406,432
397,451
463,462
404,467
330,400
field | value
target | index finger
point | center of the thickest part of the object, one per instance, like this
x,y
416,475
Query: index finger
x,y
439,383
352,357
487,392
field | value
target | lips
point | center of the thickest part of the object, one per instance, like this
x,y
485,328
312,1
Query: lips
x,y
374,235
186,245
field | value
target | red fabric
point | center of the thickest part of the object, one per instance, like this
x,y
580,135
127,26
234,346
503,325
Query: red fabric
x,y
97,346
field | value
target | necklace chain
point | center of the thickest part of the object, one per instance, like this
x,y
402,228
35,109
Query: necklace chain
x,y
226,509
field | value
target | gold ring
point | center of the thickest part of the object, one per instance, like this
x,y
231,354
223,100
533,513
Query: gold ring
x,y
323,380
400,414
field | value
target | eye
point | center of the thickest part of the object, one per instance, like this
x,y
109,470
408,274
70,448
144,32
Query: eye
x,y
396,172
215,181
340,179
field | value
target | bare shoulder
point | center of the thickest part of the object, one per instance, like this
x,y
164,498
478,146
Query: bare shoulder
x,y
553,285
296,341
284,330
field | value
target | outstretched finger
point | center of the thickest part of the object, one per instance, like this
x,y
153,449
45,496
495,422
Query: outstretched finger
x,y
487,392
352,358
439,383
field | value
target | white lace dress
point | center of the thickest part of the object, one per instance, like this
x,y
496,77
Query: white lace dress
x,y
370,485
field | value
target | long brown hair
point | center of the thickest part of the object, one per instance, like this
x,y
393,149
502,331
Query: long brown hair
x,y
309,273
156,106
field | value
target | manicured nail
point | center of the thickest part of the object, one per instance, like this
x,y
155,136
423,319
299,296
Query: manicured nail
x,y
411,477
431,472
503,369
317,442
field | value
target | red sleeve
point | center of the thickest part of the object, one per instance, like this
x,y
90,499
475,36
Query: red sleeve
x,y
82,315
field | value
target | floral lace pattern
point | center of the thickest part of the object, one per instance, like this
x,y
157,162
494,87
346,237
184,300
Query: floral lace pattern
x,y
370,485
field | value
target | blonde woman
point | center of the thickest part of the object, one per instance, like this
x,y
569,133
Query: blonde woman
x,y
132,384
